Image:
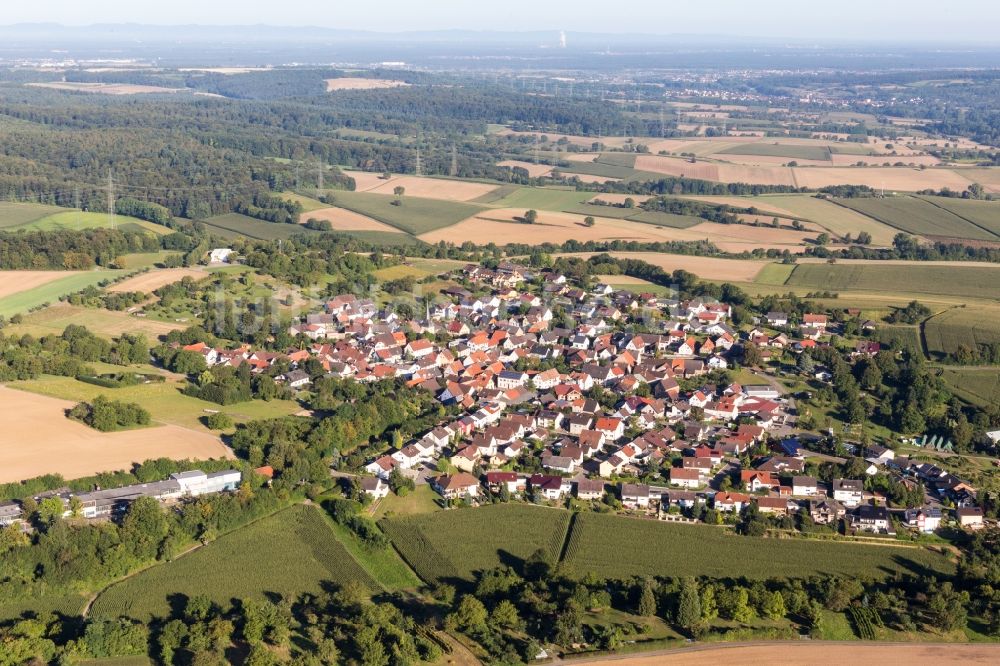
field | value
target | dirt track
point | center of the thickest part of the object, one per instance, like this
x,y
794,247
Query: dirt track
x,y
809,652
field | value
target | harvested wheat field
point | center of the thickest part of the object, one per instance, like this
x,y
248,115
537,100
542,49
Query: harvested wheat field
x,y
154,279
581,157
718,172
38,439
898,178
811,652
422,187
501,226
709,268
14,282
347,220
360,83
107,88
534,170
879,160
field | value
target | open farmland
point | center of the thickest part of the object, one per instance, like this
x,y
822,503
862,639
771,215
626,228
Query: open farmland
x,y
234,225
107,88
918,216
812,652
43,287
966,281
710,268
152,280
979,386
534,170
700,550
415,216
451,545
342,219
54,319
985,214
38,439
433,188
542,199
17,214
781,150
291,552
361,83
164,401
77,219
503,226
836,219
971,327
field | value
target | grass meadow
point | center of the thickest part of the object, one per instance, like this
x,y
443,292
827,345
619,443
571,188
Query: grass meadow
x,y
50,292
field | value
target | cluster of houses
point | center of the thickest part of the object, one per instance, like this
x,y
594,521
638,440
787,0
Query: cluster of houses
x,y
112,502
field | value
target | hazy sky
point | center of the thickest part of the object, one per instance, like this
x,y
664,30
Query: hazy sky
x,y
952,20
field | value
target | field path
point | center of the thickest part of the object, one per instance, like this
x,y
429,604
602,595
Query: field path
x,y
764,653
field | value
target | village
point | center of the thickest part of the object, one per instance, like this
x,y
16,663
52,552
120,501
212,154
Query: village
x,y
598,413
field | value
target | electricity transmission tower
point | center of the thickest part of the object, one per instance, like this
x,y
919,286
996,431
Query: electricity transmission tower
x,y
111,200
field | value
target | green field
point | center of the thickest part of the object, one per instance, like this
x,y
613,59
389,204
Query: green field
x,y
601,211
666,219
837,219
971,327
17,214
543,199
289,553
792,152
774,274
598,544
165,402
618,159
54,320
965,281
980,386
234,225
904,337
49,293
68,604
383,566
415,216
455,544
605,170
917,216
986,214
75,219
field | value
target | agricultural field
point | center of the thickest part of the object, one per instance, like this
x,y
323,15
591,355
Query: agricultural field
x,y
711,268
534,170
965,281
342,219
291,552
361,83
54,319
542,199
39,439
384,565
107,88
980,386
700,550
18,214
165,402
76,219
782,150
985,214
813,652
919,217
836,219
454,545
423,187
973,326
152,280
21,291
234,225
415,216
904,337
